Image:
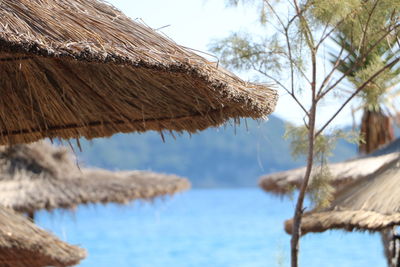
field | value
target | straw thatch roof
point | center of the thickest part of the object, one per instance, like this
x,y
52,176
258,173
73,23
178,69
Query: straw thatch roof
x,y
82,68
40,176
23,244
370,204
343,173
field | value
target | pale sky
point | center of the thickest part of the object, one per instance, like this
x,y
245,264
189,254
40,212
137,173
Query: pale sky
x,y
195,23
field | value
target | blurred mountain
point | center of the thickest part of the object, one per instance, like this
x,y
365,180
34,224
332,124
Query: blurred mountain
x,y
230,156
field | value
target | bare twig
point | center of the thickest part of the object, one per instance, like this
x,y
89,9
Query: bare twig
x,y
359,89
359,61
365,30
330,74
293,95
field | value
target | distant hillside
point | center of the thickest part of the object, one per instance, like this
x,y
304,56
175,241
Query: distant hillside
x,y
223,157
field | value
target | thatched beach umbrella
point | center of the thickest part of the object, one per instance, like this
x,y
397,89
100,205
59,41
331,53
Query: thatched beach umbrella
x,y
366,197
24,244
371,204
82,68
41,176
342,173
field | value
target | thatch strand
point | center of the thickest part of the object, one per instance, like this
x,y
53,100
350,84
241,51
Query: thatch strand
x,y
40,176
82,68
371,204
23,244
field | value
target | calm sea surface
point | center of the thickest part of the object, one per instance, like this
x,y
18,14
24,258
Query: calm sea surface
x,y
215,227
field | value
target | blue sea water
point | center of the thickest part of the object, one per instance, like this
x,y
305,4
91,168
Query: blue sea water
x,y
204,227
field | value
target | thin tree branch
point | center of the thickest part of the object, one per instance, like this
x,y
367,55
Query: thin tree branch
x,y
329,76
359,89
303,21
364,31
275,14
293,95
358,62
334,28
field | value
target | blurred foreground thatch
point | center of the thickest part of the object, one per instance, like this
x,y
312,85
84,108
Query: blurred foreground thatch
x,y
82,68
23,244
41,176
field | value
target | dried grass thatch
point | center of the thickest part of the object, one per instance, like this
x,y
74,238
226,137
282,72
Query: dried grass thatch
x,y
23,244
371,204
82,68
40,176
343,173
